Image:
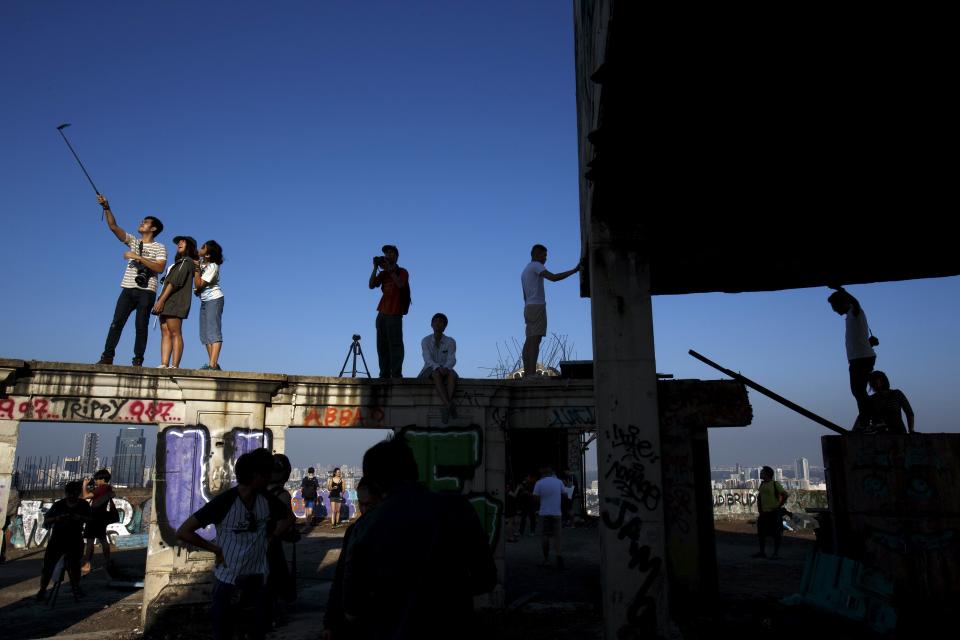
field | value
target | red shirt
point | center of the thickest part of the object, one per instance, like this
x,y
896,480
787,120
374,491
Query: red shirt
x,y
390,300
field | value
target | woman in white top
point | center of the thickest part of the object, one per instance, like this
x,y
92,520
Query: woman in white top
x,y
207,284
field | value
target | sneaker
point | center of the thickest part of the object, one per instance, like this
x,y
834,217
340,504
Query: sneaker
x,y
162,366
205,367
216,367
137,362
105,360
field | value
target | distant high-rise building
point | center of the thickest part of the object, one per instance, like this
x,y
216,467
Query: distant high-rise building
x,y
89,453
778,474
128,458
71,465
802,473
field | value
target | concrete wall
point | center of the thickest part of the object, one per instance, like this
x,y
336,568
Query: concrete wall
x,y
741,504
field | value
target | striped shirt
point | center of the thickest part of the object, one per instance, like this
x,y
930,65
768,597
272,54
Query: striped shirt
x,y
241,532
151,251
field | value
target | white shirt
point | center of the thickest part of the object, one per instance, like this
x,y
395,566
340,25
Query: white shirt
x,y
532,283
442,355
211,275
549,489
151,251
857,336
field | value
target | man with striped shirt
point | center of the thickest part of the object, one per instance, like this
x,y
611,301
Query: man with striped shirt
x,y
138,290
246,519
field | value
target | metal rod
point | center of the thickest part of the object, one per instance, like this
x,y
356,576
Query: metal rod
x,y
770,394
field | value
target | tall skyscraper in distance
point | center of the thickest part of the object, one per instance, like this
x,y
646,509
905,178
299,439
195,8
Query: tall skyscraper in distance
x,y
128,458
89,453
778,474
802,472
71,464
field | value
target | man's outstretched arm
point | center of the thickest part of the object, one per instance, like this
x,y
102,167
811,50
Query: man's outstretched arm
x,y
556,277
111,221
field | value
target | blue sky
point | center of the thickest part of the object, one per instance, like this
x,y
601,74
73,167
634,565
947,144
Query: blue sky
x,y
304,135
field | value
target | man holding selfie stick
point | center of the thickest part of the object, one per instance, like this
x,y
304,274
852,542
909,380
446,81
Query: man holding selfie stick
x,y
394,281
145,259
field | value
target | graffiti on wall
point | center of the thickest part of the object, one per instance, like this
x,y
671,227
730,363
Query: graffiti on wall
x,y
448,460
348,510
573,417
78,409
186,480
638,492
339,416
27,530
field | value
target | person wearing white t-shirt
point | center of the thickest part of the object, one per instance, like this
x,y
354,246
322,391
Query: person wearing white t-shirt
x,y
859,343
138,289
535,304
206,281
439,358
548,494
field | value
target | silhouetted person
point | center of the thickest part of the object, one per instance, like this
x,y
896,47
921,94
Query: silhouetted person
x,y
527,506
535,305
309,491
394,281
439,358
335,625
281,583
66,517
548,495
335,496
770,500
415,563
860,353
101,499
246,519
138,289
887,406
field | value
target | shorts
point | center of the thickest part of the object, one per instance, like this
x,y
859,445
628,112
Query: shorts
x,y
550,526
211,315
535,315
309,502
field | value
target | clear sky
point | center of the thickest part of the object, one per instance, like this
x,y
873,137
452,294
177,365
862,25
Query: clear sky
x,y
302,136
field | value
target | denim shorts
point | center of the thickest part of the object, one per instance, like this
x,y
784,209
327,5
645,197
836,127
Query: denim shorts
x,y
211,312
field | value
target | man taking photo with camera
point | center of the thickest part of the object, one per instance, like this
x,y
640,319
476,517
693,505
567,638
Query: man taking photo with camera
x,y
138,289
394,281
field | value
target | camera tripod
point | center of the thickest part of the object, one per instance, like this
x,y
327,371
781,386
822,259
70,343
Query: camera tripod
x,y
355,350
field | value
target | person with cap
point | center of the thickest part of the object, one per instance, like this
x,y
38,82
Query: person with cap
x,y
173,305
138,290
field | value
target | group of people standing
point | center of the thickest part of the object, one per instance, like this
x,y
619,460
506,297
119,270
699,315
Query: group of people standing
x,y
409,566
194,270
310,492
881,412
84,513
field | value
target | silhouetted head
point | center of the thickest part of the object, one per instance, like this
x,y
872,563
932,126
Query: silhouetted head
x,y
368,496
102,476
538,253
439,322
311,471
73,489
391,253
766,473
281,469
839,301
253,469
878,381
390,464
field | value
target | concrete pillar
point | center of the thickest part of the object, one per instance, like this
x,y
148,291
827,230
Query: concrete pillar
x,y
9,432
628,443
